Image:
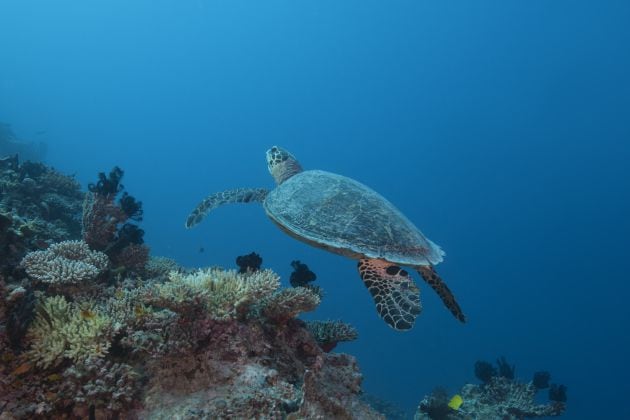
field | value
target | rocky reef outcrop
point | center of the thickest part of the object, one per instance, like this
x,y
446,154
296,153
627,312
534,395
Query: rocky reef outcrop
x,y
88,330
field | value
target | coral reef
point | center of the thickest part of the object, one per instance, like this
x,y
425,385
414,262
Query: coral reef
x,y
96,328
38,206
329,333
218,293
65,262
499,397
289,303
249,262
67,330
106,225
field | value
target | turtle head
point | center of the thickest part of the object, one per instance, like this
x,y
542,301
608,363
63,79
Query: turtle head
x,y
282,164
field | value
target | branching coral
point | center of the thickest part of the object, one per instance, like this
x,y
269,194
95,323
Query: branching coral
x,y
65,262
160,266
38,205
221,294
288,303
329,333
64,329
499,398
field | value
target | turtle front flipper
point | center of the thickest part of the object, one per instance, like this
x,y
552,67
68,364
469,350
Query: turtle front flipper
x,y
211,202
396,296
429,275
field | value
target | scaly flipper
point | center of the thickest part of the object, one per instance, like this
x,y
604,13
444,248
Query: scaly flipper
x,y
396,296
431,277
211,202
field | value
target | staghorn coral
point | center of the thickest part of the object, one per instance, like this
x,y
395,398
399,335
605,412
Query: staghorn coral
x,y
329,333
289,303
217,357
65,262
66,330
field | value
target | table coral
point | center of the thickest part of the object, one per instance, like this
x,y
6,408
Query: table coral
x,y
329,333
289,303
65,262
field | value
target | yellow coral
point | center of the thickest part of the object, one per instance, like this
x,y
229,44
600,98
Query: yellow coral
x,y
64,329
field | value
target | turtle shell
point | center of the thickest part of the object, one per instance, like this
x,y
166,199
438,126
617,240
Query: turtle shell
x,y
342,215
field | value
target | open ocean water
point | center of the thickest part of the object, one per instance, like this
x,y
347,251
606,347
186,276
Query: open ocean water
x,y
501,128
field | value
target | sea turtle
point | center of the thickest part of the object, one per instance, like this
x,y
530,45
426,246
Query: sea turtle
x,y
341,215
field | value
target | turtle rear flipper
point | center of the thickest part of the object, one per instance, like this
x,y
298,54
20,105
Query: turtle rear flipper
x,y
429,275
211,202
396,296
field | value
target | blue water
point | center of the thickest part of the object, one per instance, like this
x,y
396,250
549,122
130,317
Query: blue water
x,y
501,128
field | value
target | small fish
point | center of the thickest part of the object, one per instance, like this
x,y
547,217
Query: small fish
x,y
87,314
201,249
456,402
